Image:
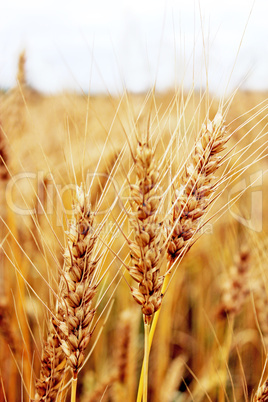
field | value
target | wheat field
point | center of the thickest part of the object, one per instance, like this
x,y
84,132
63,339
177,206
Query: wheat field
x,y
125,215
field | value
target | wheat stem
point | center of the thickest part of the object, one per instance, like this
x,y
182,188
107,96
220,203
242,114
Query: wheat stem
x,y
74,387
146,359
152,332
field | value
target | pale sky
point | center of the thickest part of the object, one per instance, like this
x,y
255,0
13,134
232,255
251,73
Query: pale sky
x,y
110,45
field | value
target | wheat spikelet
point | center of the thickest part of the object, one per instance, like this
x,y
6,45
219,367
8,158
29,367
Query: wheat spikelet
x,y
236,289
262,393
53,366
77,285
145,249
196,187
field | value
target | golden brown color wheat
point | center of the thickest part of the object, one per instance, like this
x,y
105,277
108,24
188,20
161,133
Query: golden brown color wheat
x,y
145,250
78,284
53,367
196,186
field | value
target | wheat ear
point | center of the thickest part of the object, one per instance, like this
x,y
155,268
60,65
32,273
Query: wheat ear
x,y
196,185
77,287
145,250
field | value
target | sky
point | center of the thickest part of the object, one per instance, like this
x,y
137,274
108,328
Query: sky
x,y
111,45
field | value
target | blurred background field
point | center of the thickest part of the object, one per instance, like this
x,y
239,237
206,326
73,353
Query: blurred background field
x,y
50,143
